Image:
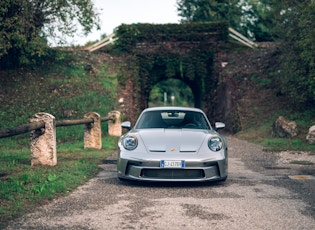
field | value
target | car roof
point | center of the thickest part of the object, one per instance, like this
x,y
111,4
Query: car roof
x,y
172,108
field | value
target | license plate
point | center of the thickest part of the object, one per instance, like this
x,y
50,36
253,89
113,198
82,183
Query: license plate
x,y
172,164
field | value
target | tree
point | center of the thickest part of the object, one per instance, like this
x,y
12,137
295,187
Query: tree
x,y
296,32
205,10
246,16
26,25
264,20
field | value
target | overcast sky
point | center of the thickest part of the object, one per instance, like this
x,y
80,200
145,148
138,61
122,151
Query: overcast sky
x,y
113,13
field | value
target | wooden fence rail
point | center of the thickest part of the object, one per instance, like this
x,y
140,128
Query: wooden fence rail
x,y
74,122
43,133
9,132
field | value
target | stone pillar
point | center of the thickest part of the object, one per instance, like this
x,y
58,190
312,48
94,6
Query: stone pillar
x,y
310,137
93,132
43,141
114,127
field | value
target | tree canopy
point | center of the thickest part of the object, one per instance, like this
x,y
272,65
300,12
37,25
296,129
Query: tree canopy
x,y
249,17
26,25
295,30
288,22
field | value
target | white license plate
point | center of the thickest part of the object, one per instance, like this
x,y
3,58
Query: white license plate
x,y
172,164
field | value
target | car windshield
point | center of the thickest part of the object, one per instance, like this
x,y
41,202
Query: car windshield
x,y
172,119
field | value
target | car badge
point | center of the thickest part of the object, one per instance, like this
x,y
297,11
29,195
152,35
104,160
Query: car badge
x,y
172,149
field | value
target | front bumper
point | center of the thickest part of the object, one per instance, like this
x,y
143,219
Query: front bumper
x,y
133,169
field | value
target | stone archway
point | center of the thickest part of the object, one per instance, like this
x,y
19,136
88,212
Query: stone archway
x,y
190,58
200,76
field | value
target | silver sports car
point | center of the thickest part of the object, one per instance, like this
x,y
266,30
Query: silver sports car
x,y
172,144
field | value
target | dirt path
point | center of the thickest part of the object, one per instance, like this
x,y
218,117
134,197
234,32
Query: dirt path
x,y
259,194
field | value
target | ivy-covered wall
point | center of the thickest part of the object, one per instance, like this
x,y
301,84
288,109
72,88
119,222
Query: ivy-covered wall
x,y
182,51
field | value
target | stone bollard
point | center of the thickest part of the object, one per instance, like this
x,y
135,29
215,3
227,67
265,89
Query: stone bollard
x,y
93,132
43,142
310,137
114,127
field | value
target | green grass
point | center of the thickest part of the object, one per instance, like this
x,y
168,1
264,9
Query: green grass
x,y
279,144
301,163
55,88
260,132
23,187
72,82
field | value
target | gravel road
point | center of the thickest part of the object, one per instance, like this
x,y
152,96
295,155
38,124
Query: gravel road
x,y
263,191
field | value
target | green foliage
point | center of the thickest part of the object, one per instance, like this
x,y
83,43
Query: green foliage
x,y
296,32
20,42
130,35
262,28
205,10
248,17
26,25
109,84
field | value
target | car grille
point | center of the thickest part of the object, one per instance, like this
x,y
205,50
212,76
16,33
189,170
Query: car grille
x,y
173,173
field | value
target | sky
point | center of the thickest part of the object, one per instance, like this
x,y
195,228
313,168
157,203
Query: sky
x,y
113,13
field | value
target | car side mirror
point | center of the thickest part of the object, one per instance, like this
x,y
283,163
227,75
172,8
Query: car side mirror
x,y
126,125
219,125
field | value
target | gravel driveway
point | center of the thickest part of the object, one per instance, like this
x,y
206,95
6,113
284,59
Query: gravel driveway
x,y
258,194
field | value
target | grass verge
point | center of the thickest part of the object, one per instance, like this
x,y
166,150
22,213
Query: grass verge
x,y
22,187
260,132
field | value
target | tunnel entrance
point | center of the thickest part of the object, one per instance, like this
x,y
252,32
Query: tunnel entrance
x,y
171,92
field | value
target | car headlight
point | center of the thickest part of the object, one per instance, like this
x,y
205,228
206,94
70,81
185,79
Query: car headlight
x,y
215,144
130,142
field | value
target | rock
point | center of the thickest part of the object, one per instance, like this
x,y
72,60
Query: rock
x,y
284,128
310,137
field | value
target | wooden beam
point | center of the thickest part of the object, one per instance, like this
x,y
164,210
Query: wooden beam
x,y
100,42
38,125
73,122
81,121
21,129
242,37
241,41
102,45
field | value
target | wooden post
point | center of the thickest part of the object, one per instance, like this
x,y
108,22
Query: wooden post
x,y
43,141
114,127
93,131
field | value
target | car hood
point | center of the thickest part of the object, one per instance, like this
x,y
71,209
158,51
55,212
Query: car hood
x,y
171,140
